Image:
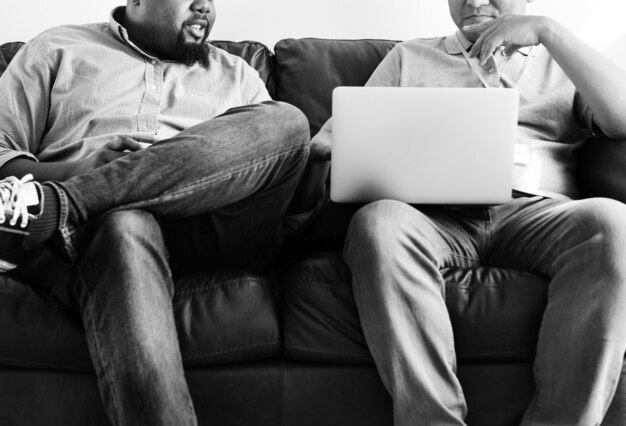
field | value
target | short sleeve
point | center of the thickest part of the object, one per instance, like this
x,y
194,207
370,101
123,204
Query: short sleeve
x,y
387,74
584,115
25,96
254,90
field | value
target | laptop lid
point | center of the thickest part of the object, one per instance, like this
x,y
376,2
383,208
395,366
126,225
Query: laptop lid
x,y
423,145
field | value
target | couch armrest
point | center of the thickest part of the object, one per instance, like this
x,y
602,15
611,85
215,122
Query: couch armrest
x,y
602,168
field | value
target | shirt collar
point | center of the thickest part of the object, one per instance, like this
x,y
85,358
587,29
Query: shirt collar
x,y
453,49
120,33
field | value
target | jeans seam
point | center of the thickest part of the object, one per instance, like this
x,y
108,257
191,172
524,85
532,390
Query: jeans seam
x,y
96,337
202,183
64,230
372,348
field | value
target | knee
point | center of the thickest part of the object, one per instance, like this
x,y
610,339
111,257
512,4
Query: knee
x,y
379,226
603,222
125,227
604,219
289,121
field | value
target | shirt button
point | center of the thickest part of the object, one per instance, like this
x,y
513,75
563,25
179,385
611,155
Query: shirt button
x,y
153,62
155,87
491,70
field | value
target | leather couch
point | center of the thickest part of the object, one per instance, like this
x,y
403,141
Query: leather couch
x,y
287,349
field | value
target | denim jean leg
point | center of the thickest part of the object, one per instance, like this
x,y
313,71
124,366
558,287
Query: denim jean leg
x,y
580,351
247,235
395,253
211,165
124,289
616,414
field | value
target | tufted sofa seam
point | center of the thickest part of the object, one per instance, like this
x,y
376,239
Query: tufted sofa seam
x,y
323,352
208,287
239,348
34,300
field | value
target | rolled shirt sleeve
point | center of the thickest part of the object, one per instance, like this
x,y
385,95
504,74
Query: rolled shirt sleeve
x,y
387,73
25,91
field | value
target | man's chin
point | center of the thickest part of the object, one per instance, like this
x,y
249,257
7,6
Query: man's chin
x,y
469,36
192,52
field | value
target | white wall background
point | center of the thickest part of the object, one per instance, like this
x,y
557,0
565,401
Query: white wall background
x,y
601,22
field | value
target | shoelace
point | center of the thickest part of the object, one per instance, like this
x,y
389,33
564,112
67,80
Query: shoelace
x,y
12,200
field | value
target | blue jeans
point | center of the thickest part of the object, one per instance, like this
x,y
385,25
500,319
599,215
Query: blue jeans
x,y
233,178
396,253
243,153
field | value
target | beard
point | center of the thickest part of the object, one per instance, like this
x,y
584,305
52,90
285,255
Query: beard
x,y
191,53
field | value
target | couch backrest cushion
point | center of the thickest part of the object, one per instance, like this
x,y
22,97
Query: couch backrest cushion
x,y
257,55
307,71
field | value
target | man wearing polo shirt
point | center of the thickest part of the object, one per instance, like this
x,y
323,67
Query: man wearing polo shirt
x,y
396,251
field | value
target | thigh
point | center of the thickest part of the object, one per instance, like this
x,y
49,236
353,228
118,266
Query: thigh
x,y
535,234
247,235
447,237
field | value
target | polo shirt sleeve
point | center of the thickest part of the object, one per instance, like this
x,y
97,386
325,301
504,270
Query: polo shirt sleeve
x,y
584,116
254,90
25,94
388,72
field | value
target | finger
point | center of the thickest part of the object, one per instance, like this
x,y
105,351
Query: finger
x,y
492,42
478,45
485,43
475,30
125,144
111,155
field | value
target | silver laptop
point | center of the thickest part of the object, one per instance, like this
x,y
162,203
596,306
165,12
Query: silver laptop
x,y
423,145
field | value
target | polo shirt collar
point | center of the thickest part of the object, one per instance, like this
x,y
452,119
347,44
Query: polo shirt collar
x,y
453,49
120,33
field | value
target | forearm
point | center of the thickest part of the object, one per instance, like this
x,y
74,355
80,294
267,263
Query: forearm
x,y
58,171
598,79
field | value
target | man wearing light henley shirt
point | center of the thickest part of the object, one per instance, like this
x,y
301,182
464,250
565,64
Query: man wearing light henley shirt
x,y
396,251
79,103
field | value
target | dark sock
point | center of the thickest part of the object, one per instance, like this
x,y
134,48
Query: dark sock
x,y
47,223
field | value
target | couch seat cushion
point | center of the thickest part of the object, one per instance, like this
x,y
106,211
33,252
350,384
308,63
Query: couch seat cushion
x,y
495,313
225,317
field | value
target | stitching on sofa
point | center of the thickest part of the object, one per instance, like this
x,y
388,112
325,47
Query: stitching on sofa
x,y
19,363
29,298
239,348
245,281
482,355
304,348
342,287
